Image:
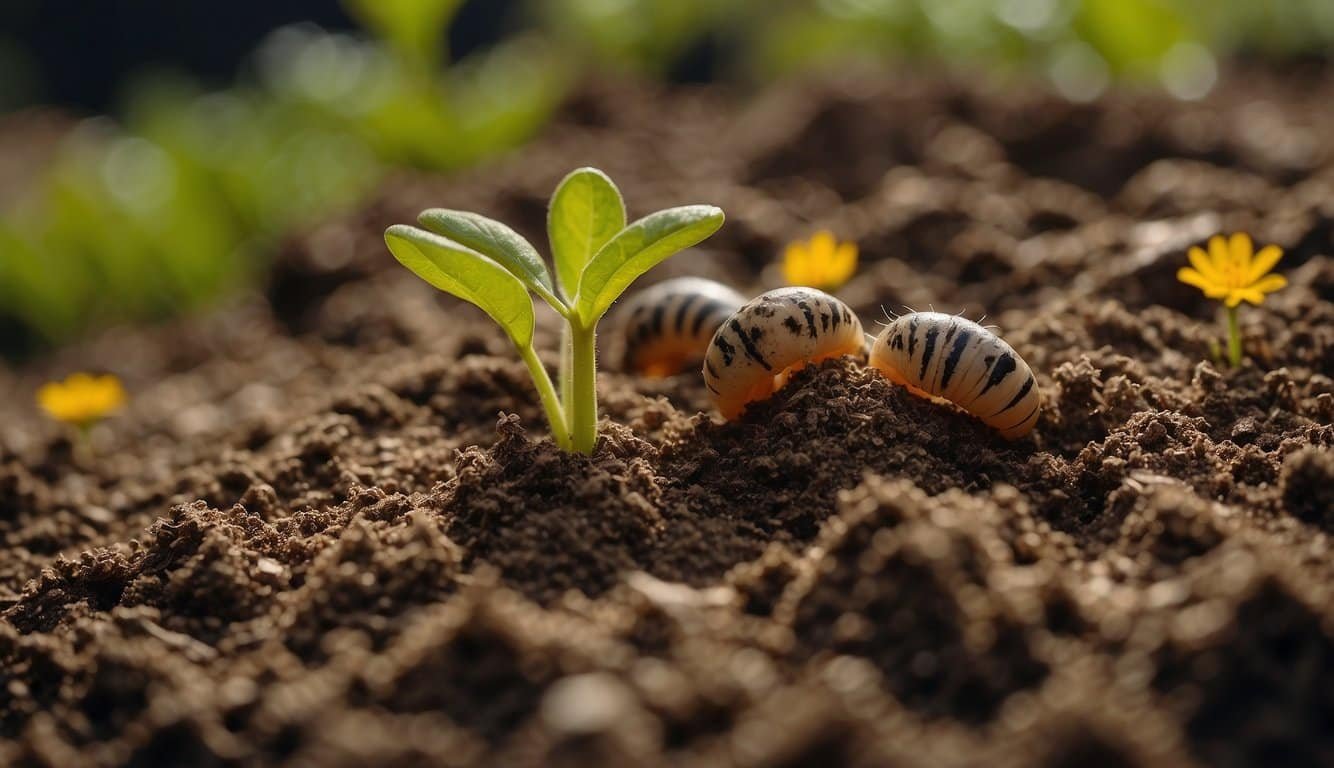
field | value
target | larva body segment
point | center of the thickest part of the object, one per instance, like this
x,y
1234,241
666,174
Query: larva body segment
x,y
946,357
774,334
668,327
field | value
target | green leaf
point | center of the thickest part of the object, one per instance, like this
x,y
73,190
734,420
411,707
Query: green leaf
x,y
494,240
637,249
586,211
467,275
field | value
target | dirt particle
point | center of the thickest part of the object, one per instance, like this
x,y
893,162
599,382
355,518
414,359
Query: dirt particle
x,y
1308,486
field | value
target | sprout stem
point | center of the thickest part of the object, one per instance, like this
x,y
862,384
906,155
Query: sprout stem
x,y
583,387
565,377
1233,337
560,432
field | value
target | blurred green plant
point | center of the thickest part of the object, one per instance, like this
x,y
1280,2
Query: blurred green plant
x,y
643,36
412,116
181,202
1081,45
413,29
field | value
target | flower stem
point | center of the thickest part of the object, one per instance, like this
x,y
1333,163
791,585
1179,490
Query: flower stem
x,y
1233,337
83,444
560,432
583,387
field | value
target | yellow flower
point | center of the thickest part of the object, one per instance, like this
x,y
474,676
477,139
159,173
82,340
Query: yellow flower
x,y
822,262
81,399
1231,271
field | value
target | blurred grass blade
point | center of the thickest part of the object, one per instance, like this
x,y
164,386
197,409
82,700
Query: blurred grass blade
x,y
637,249
586,211
469,276
413,28
1132,35
496,241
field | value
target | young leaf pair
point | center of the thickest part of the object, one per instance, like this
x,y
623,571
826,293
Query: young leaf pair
x,y
597,256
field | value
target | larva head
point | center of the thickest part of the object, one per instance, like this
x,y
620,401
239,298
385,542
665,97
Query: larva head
x,y
666,329
774,334
944,357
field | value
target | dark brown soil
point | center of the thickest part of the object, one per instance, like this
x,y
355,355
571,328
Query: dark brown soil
x,y
329,530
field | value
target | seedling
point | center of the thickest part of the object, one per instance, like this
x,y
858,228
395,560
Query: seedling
x,y
597,256
1232,272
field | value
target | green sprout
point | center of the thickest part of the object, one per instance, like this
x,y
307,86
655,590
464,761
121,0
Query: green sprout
x,y
597,256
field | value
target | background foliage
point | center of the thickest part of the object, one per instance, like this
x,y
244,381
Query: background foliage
x,y
180,198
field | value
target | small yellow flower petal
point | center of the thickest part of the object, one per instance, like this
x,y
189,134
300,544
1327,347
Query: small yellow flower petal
x,y
1264,261
1219,256
844,263
1252,296
1241,249
795,263
1203,265
1192,277
823,245
81,399
50,393
1269,284
822,261
1232,271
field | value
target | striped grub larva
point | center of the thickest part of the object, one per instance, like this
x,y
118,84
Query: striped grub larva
x,y
769,338
944,357
667,328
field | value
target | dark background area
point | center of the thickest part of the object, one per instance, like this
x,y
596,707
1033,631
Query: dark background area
x,y
79,53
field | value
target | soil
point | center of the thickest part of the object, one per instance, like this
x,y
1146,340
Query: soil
x,y
330,528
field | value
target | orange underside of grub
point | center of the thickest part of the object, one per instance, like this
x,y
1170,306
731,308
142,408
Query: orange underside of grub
x,y
1009,433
